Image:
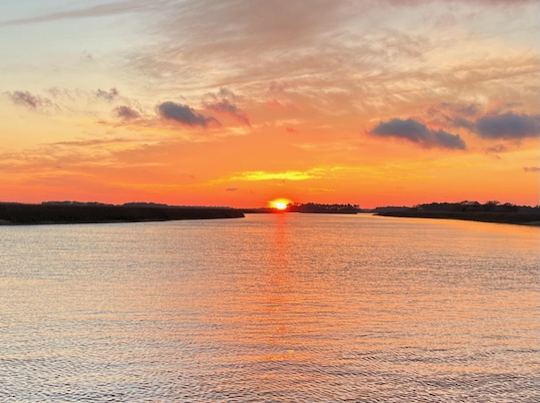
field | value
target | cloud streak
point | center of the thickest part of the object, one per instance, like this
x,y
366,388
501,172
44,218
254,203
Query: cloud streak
x,y
101,10
292,176
285,176
532,169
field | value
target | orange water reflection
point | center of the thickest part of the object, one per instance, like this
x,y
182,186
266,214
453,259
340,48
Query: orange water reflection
x,y
275,307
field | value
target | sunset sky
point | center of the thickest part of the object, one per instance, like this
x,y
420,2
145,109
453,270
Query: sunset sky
x,y
238,102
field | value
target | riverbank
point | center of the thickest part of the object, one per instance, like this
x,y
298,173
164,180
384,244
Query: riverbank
x,y
309,208
87,213
495,217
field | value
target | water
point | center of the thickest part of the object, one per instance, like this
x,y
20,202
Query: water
x,y
271,308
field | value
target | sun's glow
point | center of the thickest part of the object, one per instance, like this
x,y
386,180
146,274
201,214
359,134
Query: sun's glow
x,y
279,204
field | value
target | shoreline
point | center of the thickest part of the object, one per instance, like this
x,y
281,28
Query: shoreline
x,y
496,218
53,214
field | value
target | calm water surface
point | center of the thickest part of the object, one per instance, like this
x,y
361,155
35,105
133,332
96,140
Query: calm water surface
x,y
271,308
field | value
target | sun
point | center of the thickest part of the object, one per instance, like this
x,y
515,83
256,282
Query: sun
x,y
279,204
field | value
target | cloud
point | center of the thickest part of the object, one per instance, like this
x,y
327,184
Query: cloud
x,y
257,176
183,114
453,114
448,140
467,109
92,142
126,113
296,10
496,149
508,125
226,106
28,100
292,176
499,125
252,42
111,8
225,102
532,169
110,95
416,132
488,3
457,109
332,53
462,123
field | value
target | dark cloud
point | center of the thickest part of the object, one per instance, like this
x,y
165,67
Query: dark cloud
x,y
110,95
532,169
500,125
127,113
231,189
448,140
183,114
409,129
28,100
508,125
417,132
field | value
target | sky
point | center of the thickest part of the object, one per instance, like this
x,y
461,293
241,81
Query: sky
x,y
237,102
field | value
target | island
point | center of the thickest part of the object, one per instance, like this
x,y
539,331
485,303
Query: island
x,y
491,211
79,212
310,208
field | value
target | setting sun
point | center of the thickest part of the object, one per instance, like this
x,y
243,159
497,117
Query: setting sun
x,y
279,204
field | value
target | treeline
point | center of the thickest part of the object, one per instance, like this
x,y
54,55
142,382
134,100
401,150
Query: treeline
x,y
94,212
310,208
325,208
492,211
474,206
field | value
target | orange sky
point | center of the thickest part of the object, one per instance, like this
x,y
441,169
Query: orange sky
x,y
238,102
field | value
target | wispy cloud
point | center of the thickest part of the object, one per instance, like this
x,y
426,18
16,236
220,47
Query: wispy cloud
x,y
100,10
225,102
108,95
127,113
532,169
29,100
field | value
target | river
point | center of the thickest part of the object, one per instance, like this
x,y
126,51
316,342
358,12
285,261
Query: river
x,y
278,307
